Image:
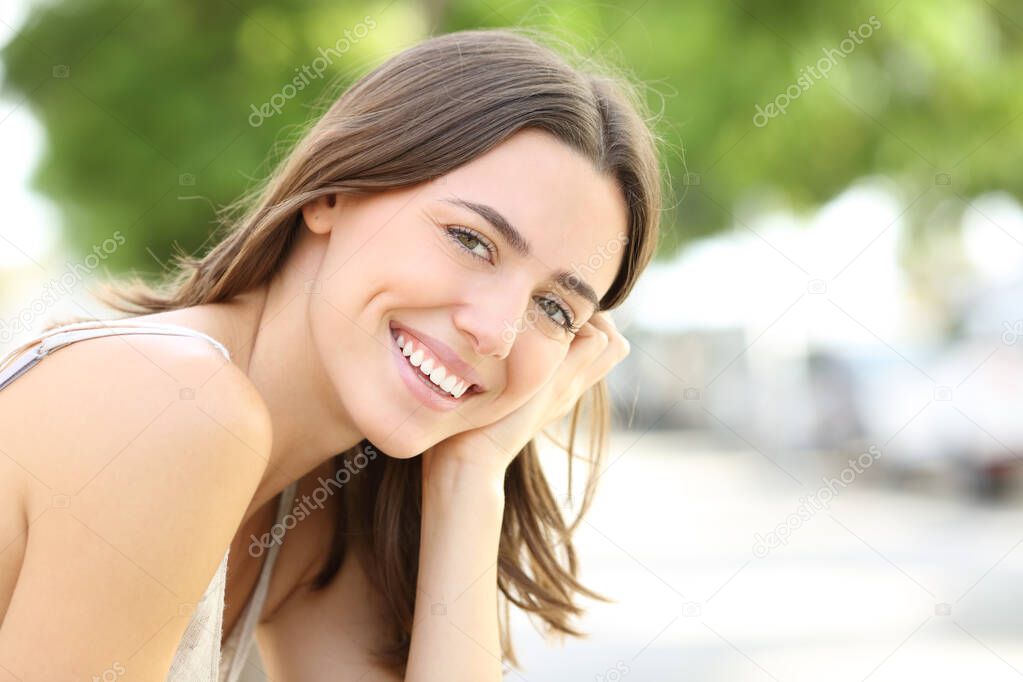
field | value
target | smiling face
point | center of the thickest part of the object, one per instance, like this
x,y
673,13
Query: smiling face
x,y
477,273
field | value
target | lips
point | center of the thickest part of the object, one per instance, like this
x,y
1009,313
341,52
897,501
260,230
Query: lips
x,y
440,354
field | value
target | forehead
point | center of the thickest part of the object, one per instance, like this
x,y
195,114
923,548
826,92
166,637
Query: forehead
x,y
553,195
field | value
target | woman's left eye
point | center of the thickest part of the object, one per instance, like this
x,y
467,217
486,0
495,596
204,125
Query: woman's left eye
x,y
554,310
472,242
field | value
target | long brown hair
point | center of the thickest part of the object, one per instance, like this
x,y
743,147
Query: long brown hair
x,y
417,116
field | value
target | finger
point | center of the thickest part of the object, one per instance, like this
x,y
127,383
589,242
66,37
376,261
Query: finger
x,y
618,346
616,350
589,329
569,379
589,343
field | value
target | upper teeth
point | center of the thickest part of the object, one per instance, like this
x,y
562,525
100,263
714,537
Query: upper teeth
x,y
428,365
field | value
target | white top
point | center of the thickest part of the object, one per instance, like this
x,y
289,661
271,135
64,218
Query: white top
x,y
199,657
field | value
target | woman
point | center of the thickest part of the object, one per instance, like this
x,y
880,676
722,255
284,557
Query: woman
x,y
422,286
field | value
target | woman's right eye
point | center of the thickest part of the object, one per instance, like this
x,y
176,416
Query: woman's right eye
x,y
472,241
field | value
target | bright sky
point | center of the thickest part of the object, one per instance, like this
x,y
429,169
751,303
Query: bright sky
x,y
29,225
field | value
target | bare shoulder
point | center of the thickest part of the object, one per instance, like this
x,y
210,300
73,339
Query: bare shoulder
x,y
138,457
112,391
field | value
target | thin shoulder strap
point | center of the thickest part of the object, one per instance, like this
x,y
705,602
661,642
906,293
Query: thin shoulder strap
x,y
240,641
62,336
17,362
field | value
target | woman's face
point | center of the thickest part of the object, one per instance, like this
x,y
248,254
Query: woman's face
x,y
466,268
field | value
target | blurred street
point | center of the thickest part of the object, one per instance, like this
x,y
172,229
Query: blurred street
x,y
884,584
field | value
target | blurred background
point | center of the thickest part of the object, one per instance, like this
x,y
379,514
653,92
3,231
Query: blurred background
x,y
816,470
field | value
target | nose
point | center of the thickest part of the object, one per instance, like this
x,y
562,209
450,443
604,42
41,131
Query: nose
x,y
492,320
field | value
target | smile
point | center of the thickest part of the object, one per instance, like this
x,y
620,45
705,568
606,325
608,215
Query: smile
x,y
426,364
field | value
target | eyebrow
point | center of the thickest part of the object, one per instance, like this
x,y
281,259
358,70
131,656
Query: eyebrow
x,y
564,278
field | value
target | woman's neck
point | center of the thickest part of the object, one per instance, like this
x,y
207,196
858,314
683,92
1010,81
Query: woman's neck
x,y
267,333
309,424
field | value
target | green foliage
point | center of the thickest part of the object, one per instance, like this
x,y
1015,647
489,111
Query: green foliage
x,y
147,106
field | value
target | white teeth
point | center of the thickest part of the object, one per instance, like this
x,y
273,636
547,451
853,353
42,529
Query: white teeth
x,y
436,372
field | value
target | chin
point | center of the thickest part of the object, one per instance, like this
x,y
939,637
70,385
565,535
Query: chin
x,y
399,451
405,442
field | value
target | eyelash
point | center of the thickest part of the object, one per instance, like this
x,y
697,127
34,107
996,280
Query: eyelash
x,y
455,232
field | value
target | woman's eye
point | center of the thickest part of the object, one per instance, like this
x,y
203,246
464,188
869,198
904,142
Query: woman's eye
x,y
556,313
471,242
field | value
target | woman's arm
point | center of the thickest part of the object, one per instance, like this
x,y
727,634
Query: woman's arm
x,y
455,634
328,635
134,496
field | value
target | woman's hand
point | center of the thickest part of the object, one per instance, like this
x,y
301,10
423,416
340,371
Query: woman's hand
x,y
596,348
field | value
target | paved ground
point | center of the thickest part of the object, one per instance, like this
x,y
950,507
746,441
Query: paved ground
x,y
879,584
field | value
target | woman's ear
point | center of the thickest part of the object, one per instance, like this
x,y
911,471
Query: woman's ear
x,y
321,214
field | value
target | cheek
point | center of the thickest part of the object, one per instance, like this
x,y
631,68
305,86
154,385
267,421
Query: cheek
x,y
532,364
399,256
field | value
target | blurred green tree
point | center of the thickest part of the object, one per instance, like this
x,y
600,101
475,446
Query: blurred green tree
x,y
149,108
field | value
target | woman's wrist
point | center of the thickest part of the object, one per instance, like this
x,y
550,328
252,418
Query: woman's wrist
x,y
448,473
